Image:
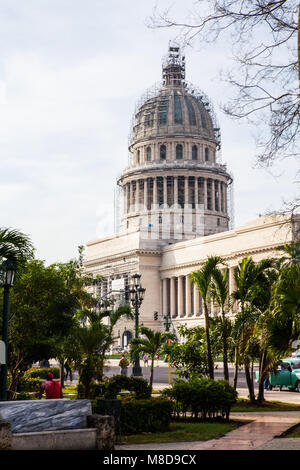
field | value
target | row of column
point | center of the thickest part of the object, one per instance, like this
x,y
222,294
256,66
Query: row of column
x,y
146,153
171,190
181,298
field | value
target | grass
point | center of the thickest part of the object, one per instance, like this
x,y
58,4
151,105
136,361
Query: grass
x,y
292,432
244,405
184,432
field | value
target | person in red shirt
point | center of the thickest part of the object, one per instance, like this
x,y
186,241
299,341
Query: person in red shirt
x,y
51,387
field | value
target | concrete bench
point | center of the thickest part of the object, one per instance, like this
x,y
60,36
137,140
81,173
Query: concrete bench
x,y
54,425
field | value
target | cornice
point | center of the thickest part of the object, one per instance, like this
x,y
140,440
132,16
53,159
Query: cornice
x,y
231,256
118,257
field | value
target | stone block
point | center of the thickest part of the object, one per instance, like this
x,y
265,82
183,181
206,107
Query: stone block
x,y
45,415
105,427
5,435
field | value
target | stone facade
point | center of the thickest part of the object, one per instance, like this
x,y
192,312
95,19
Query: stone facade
x,y
176,208
165,271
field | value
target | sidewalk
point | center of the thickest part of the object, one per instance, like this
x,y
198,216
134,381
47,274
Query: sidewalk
x,y
259,434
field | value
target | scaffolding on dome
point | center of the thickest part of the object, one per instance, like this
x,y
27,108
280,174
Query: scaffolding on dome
x,y
155,96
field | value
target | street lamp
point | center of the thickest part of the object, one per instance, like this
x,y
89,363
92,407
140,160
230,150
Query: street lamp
x,y
6,281
136,293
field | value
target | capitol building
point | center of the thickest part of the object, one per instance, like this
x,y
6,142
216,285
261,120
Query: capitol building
x,y
177,208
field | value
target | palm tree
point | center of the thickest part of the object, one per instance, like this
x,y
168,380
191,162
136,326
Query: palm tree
x,y
220,293
292,253
149,343
248,277
203,279
14,245
91,340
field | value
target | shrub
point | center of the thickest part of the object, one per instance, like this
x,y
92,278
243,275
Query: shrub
x,y
138,385
203,397
150,415
41,372
97,389
29,384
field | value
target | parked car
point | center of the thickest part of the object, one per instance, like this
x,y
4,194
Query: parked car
x,y
287,374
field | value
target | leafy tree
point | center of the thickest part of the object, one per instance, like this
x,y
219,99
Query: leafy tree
x,y
203,279
149,342
42,310
265,43
189,357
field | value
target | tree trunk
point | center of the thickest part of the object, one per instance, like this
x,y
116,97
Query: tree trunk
x,y
299,48
151,371
262,377
236,366
249,380
225,355
210,362
62,374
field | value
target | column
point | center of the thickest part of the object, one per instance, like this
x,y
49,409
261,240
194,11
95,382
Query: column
x,y
124,199
180,308
196,189
205,193
130,196
213,195
188,300
155,191
175,190
145,194
186,190
231,283
137,195
172,297
165,296
196,300
165,190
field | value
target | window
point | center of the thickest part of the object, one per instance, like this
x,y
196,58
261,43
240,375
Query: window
x,y
138,156
206,154
148,154
163,112
163,152
194,152
191,111
177,110
160,219
179,151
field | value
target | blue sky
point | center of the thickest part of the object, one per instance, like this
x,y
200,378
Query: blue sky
x,y
71,73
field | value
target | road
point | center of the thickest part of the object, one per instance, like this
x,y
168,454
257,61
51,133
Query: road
x,y
161,377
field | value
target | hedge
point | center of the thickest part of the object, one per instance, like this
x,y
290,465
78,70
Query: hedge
x,y
41,372
203,397
138,385
150,415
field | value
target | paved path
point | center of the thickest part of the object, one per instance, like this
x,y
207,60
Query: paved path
x,y
259,434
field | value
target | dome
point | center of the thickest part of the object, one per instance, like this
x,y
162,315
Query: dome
x,y
174,107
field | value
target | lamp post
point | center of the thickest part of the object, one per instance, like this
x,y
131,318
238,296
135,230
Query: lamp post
x,y
7,281
136,293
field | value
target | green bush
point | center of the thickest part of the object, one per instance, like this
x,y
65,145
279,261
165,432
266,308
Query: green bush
x,y
97,389
138,385
150,415
203,397
41,372
28,384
